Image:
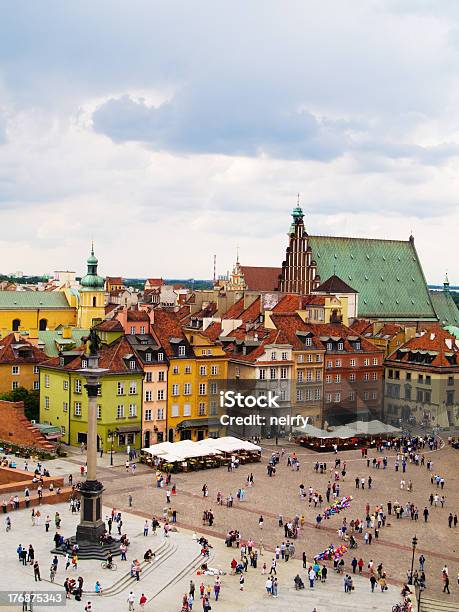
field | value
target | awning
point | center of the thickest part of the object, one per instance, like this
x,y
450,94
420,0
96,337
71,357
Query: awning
x,y
128,429
198,423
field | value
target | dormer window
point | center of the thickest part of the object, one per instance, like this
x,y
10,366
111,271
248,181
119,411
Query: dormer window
x,y
340,346
132,364
62,361
308,341
357,346
329,346
147,356
160,356
84,363
182,350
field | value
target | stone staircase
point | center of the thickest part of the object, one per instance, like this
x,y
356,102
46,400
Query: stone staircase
x,y
436,605
16,428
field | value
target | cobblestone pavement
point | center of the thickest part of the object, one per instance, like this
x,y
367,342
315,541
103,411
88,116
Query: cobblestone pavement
x,y
271,496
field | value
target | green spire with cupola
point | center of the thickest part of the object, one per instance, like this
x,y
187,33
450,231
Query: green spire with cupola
x,y
297,215
92,281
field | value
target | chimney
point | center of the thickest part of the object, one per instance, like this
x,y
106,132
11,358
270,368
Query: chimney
x,y
67,332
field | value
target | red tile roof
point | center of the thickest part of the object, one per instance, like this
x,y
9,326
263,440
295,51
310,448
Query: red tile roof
x,y
155,282
252,313
437,341
290,324
137,315
359,326
114,280
166,325
110,325
266,337
10,351
312,300
261,278
235,311
337,330
213,331
335,284
289,303
111,357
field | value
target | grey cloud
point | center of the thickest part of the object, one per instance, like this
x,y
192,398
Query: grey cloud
x,y
222,125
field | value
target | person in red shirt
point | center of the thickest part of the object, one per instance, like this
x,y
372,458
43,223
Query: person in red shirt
x,y
360,564
142,600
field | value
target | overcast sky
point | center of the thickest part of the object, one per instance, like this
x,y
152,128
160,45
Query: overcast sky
x,y
170,131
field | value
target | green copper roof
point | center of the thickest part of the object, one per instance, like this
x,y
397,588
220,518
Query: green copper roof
x,y
50,341
23,300
445,307
386,273
92,281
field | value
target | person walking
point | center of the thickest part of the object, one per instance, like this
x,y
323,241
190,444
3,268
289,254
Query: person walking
x,y
142,600
130,601
36,571
145,528
445,579
373,582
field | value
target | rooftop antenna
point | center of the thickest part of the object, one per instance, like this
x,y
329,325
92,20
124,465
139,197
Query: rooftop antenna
x,y
215,268
237,254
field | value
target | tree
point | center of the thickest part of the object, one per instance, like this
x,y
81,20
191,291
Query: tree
x,y
31,401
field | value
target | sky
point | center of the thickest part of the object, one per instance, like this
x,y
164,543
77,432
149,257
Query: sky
x,y
168,132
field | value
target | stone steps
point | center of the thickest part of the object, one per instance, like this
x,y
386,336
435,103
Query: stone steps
x,y
435,605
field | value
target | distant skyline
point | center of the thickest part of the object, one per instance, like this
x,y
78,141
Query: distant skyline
x,y
170,132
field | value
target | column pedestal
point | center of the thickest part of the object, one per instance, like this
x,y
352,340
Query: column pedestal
x,y
91,525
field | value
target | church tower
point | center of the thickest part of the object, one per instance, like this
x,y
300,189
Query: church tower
x,y
237,282
299,270
91,309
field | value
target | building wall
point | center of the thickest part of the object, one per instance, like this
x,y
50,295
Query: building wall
x,y
156,426
63,396
91,309
27,377
180,406
30,319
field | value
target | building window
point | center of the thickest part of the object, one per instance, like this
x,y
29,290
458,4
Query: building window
x,y
351,396
202,409
202,370
375,361
132,329
147,356
214,370
130,438
142,329
120,388
428,380
375,376
148,377
84,363
337,397
132,364
36,370
408,376
161,395
160,414
309,357
366,376
213,407
15,384
366,395
175,370
273,356
15,325
450,380
160,356
449,398
78,386
357,346
148,396
420,378
213,388
65,406
318,358
36,385
132,388
187,389
186,409
308,341
352,363
132,410
318,375
188,369
300,374
175,390
63,430
328,379
317,394
340,346
397,374
182,350
329,364
65,384
329,346
46,381
148,414
337,378
99,412
338,363
120,411
284,356
77,409
299,395
408,392
202,389
374,395
366,362
272,373
262,374
174,410
15,370
300,358
352,377
283,373
161,376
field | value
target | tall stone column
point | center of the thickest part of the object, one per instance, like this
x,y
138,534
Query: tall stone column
x,y
91,525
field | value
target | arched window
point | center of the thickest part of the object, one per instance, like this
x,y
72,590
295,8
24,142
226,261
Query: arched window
x,y
16,325
43,324
94,301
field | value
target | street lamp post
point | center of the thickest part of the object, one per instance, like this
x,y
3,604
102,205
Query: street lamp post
x,y
111,434
414,543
